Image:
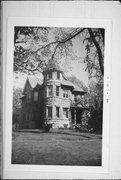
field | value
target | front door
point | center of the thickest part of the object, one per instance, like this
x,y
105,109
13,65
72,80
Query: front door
x,y
78,116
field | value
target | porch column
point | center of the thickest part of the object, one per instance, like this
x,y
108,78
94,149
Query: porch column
x,y
74,116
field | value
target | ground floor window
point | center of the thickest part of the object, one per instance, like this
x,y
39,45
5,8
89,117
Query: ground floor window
x,y
65,112
57,111
49,112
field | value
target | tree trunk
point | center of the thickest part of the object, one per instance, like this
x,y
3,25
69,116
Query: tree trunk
x,y
100,56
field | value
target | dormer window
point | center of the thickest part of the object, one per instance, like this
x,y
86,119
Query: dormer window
x,y
58,75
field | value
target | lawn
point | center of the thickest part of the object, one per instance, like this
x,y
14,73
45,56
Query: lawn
x,y
0,150
56,148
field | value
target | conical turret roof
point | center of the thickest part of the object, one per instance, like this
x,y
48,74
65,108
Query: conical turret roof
x,y
53,65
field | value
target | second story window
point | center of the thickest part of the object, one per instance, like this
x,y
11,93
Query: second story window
x,y
35,96
58,75
65,93
29,96
50,90
57,90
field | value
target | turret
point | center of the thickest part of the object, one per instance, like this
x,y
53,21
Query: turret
x,y
52,89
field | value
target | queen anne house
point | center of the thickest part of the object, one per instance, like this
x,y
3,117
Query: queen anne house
x,y
54,100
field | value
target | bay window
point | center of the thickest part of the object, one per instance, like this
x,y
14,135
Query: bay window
x,y
57,90
65,112
50,90
49,112
57,111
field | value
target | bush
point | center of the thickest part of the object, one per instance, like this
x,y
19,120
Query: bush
x,y
65,126
81,128
47,127
95,121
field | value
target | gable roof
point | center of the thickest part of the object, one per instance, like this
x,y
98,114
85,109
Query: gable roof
x,y
33,81
53,64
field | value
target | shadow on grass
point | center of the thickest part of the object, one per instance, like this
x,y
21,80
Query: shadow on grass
x,y
64,131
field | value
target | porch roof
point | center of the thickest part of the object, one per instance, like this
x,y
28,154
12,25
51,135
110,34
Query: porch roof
x,y
79,105
79,108
78,90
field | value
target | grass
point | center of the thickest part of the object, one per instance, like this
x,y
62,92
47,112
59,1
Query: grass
x,y
0,150
56,148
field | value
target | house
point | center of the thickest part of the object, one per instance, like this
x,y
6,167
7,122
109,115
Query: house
x,y
54,100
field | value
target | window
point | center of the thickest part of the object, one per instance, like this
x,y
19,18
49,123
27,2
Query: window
x,y
57,90
57,111
50,90
58,75
29,96
49,75
35,96
65,112
65,93
49,112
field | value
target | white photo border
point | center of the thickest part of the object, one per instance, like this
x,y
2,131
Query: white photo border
x,y
36,170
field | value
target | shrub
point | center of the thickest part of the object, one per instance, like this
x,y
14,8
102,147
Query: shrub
x,y
47,127
95,121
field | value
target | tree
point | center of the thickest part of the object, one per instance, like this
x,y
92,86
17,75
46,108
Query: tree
x,y
35,46
96,105
17,92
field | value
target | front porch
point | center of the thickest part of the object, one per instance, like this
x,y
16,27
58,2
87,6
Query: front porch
x,y
76,115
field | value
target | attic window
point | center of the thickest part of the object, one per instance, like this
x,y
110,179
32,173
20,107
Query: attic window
x,y
49,76
35,96
58,75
